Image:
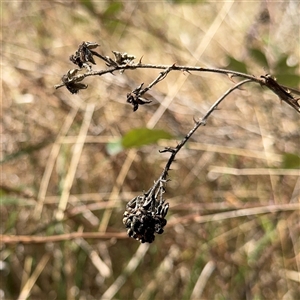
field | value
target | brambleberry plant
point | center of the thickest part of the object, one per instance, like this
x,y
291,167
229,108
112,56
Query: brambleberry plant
x,y
145,214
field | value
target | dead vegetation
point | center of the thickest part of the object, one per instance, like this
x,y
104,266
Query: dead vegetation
x,y
233,222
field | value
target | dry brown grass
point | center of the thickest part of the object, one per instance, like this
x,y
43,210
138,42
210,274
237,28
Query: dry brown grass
x,y
233,224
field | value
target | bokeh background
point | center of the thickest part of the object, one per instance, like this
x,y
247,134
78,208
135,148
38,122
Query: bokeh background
x,y
233,223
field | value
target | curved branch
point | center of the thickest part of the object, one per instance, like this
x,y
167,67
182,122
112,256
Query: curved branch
x,y
200,122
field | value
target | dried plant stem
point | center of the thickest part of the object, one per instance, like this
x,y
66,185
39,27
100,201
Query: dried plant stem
x,y
33,278
201,122
74,162
202,280
265,80
99,264
236,213
30,239
51,162
254,171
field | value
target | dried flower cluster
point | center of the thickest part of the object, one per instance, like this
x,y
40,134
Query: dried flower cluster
x,y
84,54
123,58
71,81
82,58
144,216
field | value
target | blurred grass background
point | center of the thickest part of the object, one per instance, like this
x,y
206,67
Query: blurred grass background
x,y
233,223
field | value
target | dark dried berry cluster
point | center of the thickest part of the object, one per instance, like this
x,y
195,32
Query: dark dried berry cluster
x,y
144,217
84,54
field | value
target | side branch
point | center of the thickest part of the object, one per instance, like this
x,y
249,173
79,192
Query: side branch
x,y
200,122
266,80
84,57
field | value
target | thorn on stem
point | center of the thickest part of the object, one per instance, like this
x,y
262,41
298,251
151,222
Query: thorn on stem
x,y
167,149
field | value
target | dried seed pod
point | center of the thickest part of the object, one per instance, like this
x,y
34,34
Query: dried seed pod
x,y
84,55
72,85
123,58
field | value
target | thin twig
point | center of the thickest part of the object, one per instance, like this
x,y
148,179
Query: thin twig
x,y
173,67
254,171
265,80
31,239
236,213
98,263
162,75
11,239
198,123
